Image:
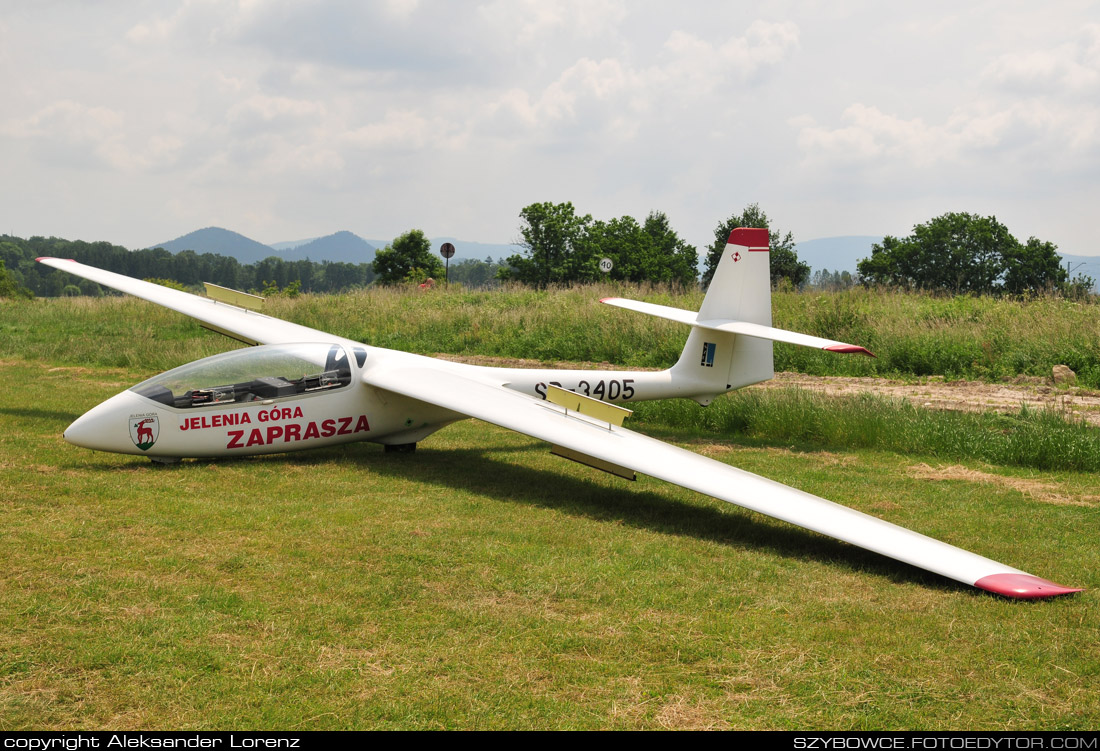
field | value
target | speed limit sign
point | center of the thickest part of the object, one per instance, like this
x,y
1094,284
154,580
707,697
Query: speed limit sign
x,y
605,265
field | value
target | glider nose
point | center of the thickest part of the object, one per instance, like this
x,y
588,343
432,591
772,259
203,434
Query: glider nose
x,y
105,427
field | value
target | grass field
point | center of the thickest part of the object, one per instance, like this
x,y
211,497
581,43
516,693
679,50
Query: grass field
x,y
482,583
912,334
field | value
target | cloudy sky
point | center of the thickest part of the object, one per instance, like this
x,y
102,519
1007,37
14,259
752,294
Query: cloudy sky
x,y
136,122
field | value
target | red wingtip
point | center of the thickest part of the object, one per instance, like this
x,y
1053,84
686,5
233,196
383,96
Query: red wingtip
x,y
605,299
850,349
1022,586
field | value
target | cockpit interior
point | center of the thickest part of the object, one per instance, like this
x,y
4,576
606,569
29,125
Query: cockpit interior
x,y
253,374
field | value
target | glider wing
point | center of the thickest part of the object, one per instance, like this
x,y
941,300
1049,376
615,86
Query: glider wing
x,y
609,444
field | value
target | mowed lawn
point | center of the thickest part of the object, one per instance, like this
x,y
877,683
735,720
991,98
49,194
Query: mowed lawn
x,y
483,583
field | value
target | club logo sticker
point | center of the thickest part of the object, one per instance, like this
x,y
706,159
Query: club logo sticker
x,y
708,355
144,430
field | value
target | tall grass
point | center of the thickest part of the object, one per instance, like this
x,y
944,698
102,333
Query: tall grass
x,y
1042,439
917,334
912,334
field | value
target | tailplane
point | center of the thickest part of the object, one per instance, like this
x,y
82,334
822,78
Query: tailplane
x,y
730,345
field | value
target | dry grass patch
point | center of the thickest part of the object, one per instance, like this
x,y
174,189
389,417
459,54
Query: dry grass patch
x,y
1040,490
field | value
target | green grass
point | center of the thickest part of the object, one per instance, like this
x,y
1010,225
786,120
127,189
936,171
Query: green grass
x,y
482,583
1042,439
913,335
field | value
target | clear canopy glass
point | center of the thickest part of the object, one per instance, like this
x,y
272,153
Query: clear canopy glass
x,y
253,374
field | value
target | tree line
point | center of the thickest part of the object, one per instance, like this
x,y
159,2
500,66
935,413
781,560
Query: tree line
x,y
964,253
187,268
955,253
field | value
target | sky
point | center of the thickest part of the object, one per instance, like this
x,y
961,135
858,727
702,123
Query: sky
x,y
138,121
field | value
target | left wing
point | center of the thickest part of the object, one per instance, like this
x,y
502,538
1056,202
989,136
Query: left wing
x,y
244,325
493,402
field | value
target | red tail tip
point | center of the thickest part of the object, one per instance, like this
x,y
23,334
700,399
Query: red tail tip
x,y
749,237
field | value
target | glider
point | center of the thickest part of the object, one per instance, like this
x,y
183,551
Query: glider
x,y
300,388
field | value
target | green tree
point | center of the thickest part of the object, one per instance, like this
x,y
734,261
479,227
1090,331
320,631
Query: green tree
x,y
408,258
652,252
783,257
678,261
11,288
955,252
627,245
1034,267
473,273
964,253
557,248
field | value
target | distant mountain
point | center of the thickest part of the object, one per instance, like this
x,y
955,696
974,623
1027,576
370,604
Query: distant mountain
x,y
1086,265
836,253
343,246
291,244
221,241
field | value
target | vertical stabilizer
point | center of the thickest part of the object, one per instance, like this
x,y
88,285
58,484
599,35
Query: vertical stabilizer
x,y
740,290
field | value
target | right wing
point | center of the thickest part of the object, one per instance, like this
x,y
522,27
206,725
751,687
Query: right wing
x,y
494,403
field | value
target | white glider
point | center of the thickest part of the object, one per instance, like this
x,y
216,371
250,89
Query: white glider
x,y
303,388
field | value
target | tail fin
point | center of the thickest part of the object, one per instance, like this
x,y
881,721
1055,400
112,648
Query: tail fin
x,y
740,290
730,345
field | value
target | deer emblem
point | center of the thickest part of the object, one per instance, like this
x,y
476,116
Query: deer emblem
x,y
143,432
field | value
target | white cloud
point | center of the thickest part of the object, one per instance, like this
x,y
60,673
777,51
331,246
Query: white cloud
x,y
259,108
528,22
1071,68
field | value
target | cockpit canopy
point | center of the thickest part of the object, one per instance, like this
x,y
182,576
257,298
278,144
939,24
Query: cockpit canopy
x,y
253,374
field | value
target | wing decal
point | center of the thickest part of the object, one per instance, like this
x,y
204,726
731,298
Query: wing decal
x,y
493,403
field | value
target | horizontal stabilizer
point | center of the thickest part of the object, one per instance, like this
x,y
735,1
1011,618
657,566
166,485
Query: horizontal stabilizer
x,y
744,328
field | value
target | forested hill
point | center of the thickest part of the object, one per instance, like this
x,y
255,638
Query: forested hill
x,y
222,242
344,246
340,246
186,267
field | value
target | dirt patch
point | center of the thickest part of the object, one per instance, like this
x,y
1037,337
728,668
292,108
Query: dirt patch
x,y
1040,490
823,458
964,396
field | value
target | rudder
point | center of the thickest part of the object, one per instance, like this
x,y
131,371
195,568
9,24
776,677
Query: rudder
x,y
740,290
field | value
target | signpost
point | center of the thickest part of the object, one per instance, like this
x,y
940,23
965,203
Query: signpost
x,y
447,250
